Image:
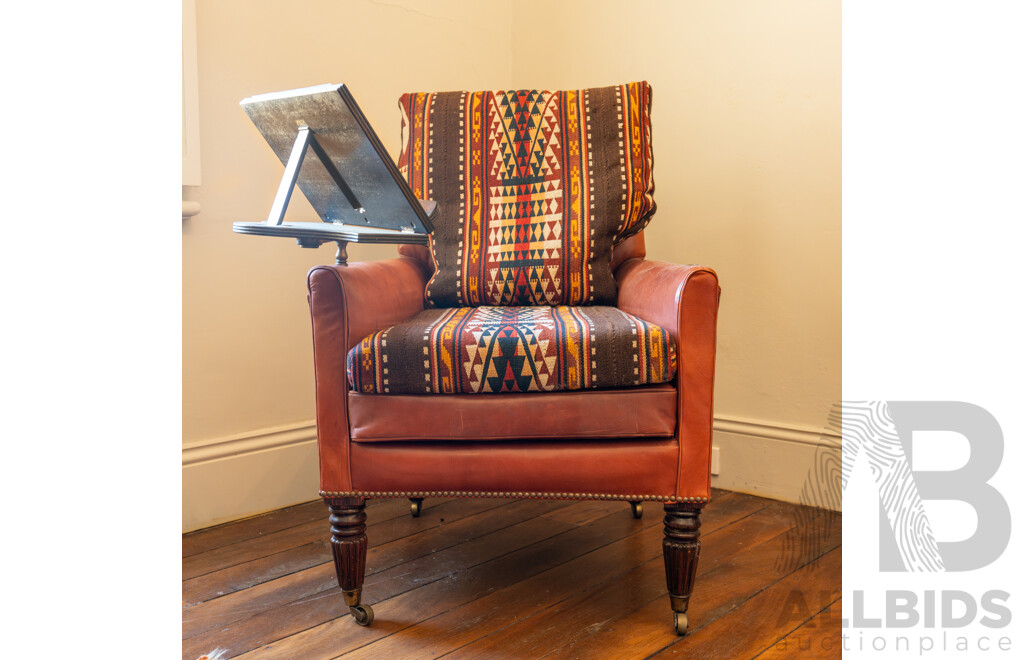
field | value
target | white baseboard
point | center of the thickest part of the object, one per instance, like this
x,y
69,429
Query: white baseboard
x,y
779,461
250,473
246,474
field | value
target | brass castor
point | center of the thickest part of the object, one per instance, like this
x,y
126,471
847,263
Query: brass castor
x,y
363,614
415,506
682,622
638,509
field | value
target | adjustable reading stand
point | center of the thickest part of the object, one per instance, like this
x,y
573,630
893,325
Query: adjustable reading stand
x,y
370,203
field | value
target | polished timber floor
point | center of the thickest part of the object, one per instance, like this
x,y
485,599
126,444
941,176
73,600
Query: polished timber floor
x,y
517,579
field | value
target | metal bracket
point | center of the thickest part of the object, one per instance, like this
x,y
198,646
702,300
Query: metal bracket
x,y
340,257
303,141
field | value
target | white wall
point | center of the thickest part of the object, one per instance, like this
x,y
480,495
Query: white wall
x,y
746,116
247,364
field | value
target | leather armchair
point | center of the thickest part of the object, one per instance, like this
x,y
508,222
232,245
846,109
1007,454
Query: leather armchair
x,y
647,443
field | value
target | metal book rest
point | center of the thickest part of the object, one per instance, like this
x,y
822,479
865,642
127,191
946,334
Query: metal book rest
x,y
370,203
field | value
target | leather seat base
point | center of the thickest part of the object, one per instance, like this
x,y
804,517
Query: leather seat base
x,y
636,467
637,412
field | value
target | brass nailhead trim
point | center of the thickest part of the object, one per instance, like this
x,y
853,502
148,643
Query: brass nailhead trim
x,y
515,495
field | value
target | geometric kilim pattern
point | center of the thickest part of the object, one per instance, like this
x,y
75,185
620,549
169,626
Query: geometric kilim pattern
x,y
512,349
534,188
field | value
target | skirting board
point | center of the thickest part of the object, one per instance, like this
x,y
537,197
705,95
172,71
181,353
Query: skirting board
x,y
250,473
779,462
247,474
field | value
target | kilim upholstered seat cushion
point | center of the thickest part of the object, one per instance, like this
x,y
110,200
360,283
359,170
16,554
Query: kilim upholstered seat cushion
x,y
512,349
533,190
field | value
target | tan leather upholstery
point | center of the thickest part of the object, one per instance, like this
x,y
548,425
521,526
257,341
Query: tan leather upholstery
x,y
346,304
631,248
420,253
683,299
637,412
400,443
613,467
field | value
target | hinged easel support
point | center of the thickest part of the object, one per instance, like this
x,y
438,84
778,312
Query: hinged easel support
x,y
303,141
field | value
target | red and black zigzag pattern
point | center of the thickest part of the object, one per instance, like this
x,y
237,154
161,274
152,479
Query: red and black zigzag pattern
x,y
512,349
534,188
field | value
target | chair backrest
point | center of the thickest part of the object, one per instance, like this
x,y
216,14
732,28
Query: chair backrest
x,y
632,247
534,190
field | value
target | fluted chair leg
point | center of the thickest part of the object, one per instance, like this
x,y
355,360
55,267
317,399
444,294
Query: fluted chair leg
x,y
682,550
348,544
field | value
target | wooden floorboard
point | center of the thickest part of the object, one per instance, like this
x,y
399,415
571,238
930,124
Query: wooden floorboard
x,y
308,545
255,526
516,579
741,559
281,607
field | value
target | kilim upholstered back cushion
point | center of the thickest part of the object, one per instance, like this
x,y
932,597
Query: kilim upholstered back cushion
x,y
534,188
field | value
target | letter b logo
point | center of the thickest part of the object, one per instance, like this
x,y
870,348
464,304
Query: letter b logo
x,y
883,432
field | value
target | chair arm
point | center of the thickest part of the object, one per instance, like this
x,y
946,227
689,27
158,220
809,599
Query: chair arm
x,y
348,303
365,297
684,300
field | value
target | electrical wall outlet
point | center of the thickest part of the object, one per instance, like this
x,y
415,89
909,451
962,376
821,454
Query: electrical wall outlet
x,y
715,465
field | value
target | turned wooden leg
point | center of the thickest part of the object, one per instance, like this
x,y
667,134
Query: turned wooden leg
x,y
415,506
348,543
682,549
